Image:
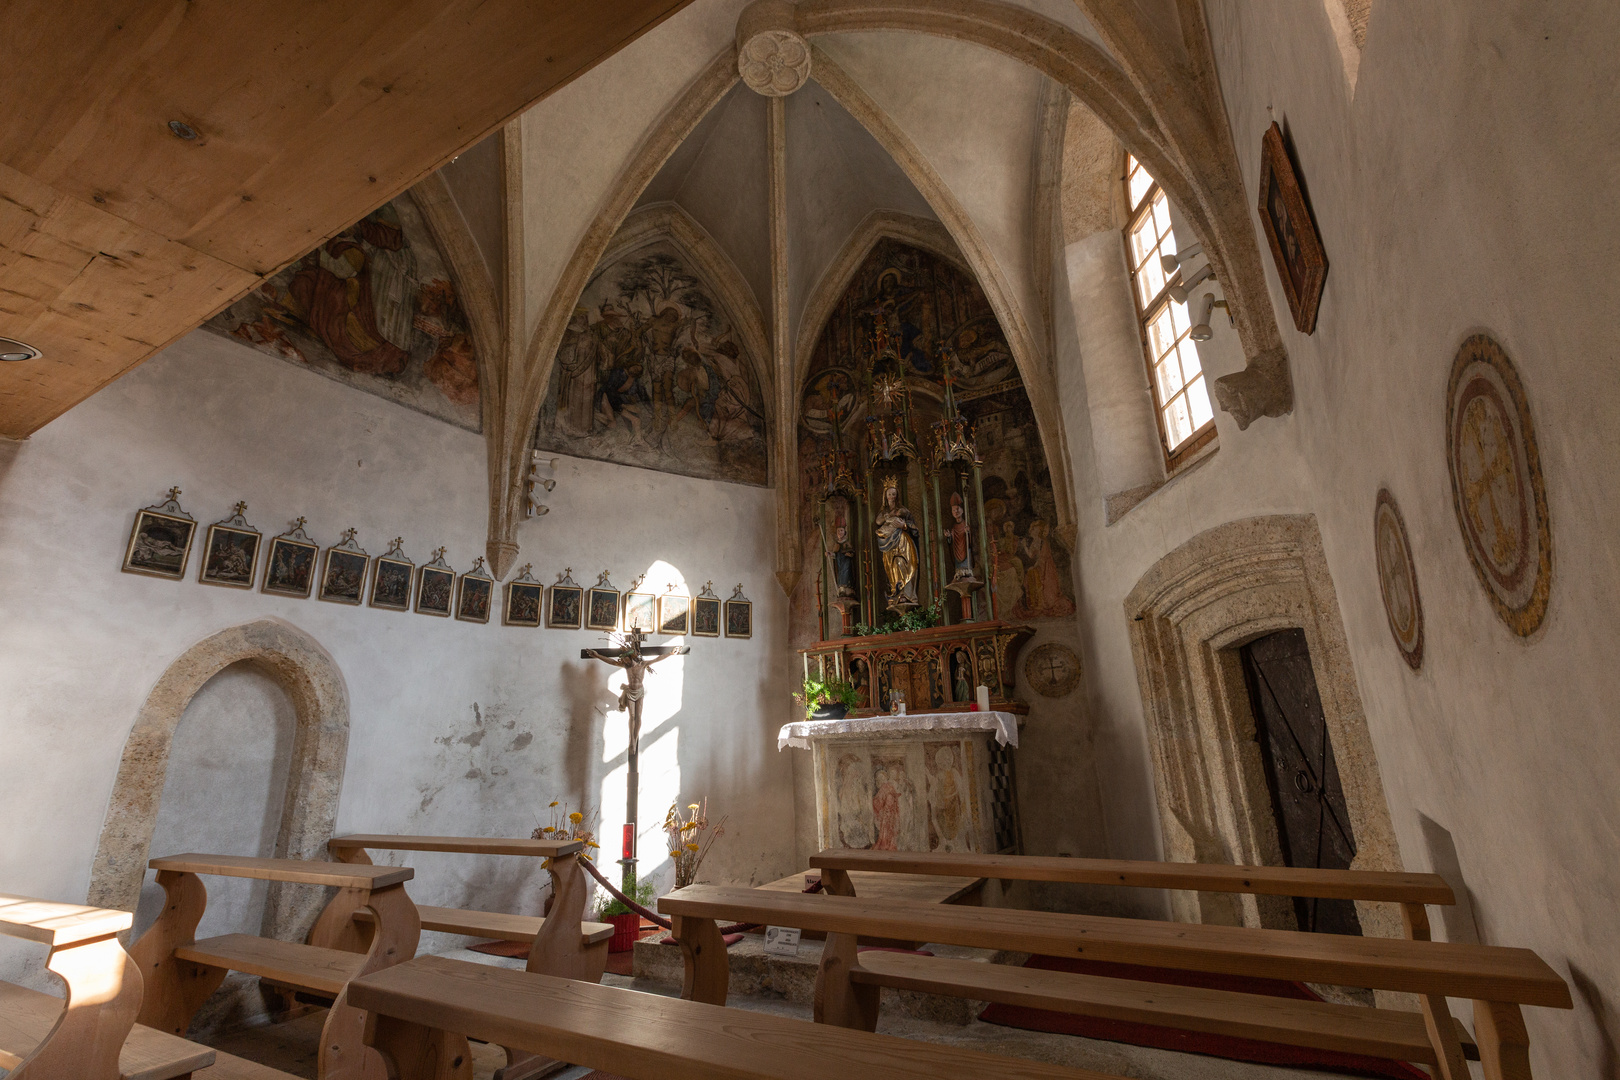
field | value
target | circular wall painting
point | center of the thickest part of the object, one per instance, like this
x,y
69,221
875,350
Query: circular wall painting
x,y
1397,579
1052,669
1496,485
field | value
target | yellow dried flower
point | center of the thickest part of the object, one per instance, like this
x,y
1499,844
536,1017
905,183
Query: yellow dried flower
x,y
553,802
691,847
576,817
692,806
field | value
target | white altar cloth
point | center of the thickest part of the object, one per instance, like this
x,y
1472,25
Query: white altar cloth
x,y
799,734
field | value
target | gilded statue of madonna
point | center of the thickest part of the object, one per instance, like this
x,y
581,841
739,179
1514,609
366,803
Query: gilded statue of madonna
x,y
897,541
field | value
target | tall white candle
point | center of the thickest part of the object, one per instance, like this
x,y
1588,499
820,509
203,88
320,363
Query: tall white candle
x,y
984,698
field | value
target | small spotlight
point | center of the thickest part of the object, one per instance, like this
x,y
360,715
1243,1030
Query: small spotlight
x,y
184,131
12,351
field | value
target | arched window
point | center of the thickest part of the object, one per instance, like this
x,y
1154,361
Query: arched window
x,y
1180,395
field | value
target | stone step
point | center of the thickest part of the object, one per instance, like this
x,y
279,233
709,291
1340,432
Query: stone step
x,y
756,972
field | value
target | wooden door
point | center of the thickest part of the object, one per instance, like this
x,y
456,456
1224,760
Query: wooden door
x,y
1313,823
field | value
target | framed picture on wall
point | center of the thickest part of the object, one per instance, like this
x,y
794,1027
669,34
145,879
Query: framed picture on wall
x,y
641,611
523,596
739,615
344,576
474,593
231,552
391,580
1296,247
565,606
435,586
160,542
675,614
706,613
289,569
602,605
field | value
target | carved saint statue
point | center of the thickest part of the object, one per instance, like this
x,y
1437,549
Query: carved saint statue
x,y
897,541
957,535
843,560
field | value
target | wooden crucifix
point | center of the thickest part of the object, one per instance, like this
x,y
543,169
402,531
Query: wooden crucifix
x,y
635,658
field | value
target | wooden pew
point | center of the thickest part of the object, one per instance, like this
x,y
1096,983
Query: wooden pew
x,y
1411,891
551,952
1499,980
553,948
422,1012
92,1035
181,972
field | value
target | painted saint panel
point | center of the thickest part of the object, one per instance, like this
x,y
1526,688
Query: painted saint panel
x,y
651,374
372,307
925,304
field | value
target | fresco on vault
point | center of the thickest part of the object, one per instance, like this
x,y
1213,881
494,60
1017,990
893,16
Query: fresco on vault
x,y
650,373
372,307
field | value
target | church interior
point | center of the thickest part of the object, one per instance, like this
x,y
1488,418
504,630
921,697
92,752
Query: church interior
x,y
951,538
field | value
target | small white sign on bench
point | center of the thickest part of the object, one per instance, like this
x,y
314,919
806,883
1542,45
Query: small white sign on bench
x,y
782,941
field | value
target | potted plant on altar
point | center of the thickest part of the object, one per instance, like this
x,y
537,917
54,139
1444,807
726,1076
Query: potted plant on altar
x,y
828,699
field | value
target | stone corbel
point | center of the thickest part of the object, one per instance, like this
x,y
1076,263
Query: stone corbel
x,y
1263,388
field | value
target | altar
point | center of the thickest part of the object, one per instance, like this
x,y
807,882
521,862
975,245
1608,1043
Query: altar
x,y
939,781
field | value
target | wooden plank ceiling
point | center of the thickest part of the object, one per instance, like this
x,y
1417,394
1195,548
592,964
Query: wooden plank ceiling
x,y
118,235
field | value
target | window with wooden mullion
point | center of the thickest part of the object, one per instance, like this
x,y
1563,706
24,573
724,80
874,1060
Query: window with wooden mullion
x,y
1180,394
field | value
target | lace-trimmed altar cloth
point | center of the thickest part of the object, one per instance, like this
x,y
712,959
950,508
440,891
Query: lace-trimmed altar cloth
x,y
799,734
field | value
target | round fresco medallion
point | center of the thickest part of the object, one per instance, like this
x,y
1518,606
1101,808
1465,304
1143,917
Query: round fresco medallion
x,y
1397,579
1052,669
1496,485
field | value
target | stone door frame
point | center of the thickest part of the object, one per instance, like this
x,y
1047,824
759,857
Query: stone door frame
x,y
320,700
1188,616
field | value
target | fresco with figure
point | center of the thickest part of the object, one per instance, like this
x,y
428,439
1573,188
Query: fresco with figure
x,y
373,307
650,373
925,304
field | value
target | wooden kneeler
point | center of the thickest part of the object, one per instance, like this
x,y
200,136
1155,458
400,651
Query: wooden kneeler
x,y
181,972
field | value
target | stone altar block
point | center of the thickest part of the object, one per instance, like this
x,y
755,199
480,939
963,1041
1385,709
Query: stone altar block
x,y
923,782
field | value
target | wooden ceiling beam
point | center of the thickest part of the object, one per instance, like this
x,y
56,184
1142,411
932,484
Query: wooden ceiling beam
x,y
117,235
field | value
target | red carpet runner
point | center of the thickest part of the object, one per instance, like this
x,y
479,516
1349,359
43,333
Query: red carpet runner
x,y
1191,1042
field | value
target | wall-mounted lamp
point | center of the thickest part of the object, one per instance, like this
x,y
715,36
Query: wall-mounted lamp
x,y
13,351
537,482
1201,330
1172,263
1179,293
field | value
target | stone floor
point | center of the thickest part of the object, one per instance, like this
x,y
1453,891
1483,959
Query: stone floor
x,y
291,1046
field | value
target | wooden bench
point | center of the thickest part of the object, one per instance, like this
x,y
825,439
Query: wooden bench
x,y
423,1011
182,972
1412,892
1499,980
92,1035
553,949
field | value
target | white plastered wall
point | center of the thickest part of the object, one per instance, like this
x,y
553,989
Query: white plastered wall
x,y
1461,189
456,728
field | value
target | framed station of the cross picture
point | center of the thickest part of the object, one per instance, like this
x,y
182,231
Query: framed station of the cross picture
x,y
674,614
739,618
641,612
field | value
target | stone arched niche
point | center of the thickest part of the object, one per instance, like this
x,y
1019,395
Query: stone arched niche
x,y
320,700
1189,614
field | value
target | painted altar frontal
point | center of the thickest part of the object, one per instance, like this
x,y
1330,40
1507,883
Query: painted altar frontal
x,y
922,782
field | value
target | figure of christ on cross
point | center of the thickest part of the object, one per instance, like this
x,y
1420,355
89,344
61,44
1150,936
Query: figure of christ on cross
x,y
635,659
